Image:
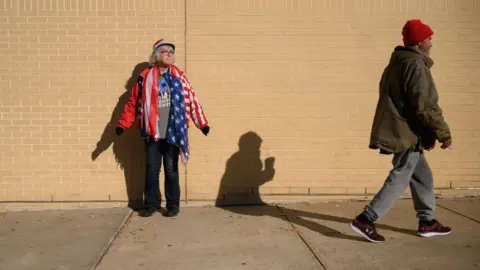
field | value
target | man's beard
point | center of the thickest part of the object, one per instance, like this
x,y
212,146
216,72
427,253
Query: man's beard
x,y
426,51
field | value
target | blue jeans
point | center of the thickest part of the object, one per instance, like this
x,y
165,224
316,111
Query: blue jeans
x,y
156,151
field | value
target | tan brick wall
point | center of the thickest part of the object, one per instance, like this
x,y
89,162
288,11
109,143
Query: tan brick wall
x,y
303,75
65,67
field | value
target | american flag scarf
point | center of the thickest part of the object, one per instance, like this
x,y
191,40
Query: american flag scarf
x,y
177,133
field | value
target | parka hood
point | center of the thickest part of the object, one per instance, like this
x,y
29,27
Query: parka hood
x,y
401,53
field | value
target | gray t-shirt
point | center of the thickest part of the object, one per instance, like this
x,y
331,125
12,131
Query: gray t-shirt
x,y
164,94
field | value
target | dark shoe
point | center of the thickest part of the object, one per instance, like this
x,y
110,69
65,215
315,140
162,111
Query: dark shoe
x,y
433,229
172,212
367,230
147,212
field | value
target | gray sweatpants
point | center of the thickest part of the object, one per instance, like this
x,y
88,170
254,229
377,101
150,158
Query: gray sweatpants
x,y
409,168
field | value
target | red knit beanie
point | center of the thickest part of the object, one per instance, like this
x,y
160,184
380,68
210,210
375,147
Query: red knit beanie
x,y
415,32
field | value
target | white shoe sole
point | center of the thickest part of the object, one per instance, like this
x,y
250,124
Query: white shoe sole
x,y
430,234
362,234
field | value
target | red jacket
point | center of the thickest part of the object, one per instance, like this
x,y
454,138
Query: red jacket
x,y
133,110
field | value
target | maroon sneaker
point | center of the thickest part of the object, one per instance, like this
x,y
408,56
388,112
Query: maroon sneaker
x,y
367,230
433,230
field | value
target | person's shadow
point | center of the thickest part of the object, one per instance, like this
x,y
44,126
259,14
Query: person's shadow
x,y
240,184
244,175
129,148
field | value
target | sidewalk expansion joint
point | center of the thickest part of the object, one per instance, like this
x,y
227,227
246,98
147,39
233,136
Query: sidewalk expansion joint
x,y
458,213
105,249
303,239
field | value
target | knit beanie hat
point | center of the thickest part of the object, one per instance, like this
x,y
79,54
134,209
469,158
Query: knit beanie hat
x,y
414,32
161,42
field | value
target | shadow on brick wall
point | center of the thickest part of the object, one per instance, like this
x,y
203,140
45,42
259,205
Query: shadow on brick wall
x,y
244,173
128,148
239,191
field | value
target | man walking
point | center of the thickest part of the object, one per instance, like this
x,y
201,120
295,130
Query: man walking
x,y
163,102
408,120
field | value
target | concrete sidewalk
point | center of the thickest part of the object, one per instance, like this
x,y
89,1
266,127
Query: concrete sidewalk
x,y
63,239
293,236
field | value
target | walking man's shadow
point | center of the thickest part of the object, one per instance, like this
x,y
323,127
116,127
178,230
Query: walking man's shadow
x,y
243,176
128,148
240,186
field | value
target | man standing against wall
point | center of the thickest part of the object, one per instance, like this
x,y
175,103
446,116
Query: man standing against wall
x,y
408,120
163,102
